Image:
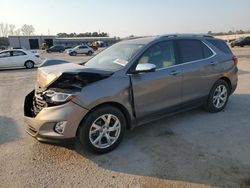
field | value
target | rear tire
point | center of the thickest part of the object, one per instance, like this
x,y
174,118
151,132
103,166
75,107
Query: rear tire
x,y
89,53
218,97
29,64
101,136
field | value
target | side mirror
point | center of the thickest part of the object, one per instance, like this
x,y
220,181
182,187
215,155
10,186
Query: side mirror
x,y
147,67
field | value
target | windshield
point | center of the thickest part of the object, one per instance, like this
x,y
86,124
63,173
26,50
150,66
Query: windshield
x,y
114,57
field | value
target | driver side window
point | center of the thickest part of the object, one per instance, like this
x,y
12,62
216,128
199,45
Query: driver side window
x,y
161,55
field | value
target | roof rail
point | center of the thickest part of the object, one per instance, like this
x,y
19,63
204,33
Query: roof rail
x,y
209,36
135,37
183,35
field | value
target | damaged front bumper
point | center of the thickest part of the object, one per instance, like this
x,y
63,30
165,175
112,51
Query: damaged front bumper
x,y
42,125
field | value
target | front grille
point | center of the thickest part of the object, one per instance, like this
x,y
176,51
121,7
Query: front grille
x,y
32,131
38,102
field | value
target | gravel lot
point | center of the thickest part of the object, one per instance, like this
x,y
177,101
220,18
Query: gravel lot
x,y
191,149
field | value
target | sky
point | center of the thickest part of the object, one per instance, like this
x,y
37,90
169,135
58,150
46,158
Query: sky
x,y
127,17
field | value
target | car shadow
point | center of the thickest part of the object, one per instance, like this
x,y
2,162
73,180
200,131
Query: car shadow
x,y
8,130
195,147
240,71
18,69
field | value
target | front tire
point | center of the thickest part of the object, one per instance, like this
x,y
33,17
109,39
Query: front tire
x,y
102,130
218,97
29,64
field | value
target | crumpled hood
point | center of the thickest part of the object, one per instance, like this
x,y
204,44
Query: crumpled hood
x,y
48,74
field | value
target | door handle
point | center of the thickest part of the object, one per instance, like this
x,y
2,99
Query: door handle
x,y
213,63
174,72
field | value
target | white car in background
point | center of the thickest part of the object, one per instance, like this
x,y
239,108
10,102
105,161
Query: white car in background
x,y
81,49
19,58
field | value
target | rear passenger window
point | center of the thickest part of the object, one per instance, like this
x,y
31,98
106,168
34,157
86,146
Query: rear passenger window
x,y
221,45
18,53
190,50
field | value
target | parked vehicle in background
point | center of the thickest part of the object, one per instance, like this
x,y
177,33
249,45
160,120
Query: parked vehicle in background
x,y
129,84
56,48
45,46
18,58
2,48
243,41
80,49
93,47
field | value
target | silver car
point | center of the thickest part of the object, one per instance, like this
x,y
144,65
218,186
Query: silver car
x,y
129,84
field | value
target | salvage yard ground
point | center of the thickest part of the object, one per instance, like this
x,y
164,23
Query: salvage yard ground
x,y
192,149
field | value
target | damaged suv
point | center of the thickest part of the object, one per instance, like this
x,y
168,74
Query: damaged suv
x,y
131,83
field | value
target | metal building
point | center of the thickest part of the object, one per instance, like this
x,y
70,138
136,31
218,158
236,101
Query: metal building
x,y
31,42
73,41
35,42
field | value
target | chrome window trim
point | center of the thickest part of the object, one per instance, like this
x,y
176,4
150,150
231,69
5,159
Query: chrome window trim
x,y
189,62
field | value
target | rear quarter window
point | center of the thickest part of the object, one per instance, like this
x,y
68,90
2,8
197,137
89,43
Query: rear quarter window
x,y
221,45
192,50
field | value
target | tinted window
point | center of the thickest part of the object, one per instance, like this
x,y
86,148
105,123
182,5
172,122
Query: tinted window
x,y
161,55
5,54
18,53
190,50
56,47
207,52
221,45
83,47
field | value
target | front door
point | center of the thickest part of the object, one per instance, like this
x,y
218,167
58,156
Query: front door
x,y
155,93
5,59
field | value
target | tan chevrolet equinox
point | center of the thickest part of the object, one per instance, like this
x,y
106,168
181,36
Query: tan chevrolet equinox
x,y
130,83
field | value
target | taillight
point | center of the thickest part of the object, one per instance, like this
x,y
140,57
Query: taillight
x,y
37,56
235,59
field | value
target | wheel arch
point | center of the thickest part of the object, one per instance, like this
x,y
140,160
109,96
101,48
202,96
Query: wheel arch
x,y
29,61
113,104
226,79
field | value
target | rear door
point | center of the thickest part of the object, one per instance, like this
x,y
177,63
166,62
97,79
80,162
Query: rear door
x,y
83,49
197,62
18,58
155,93
5,59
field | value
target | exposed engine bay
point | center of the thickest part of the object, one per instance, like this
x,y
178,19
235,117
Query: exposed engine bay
x,y
60,83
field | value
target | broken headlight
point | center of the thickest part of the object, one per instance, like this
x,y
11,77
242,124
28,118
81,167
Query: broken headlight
x,y
54,97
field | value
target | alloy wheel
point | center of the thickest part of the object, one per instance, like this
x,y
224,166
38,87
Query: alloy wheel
x,y
220,96
29,64
105,131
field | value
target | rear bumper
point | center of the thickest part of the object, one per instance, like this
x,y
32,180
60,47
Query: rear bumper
x,y
42,126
